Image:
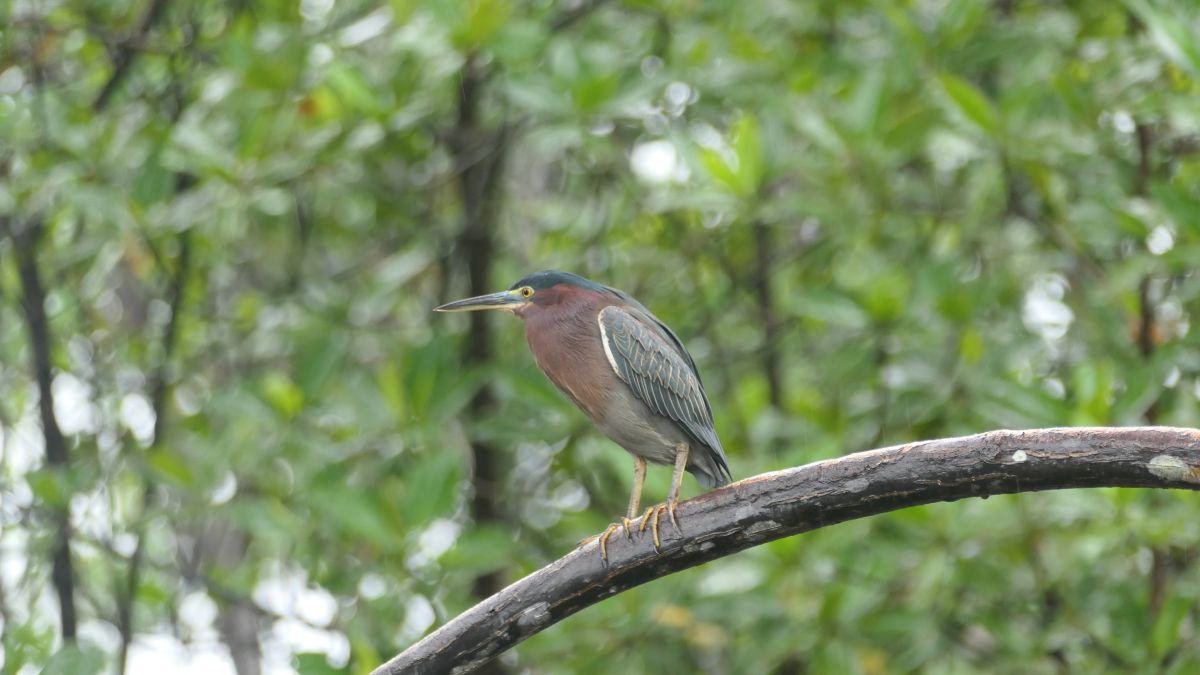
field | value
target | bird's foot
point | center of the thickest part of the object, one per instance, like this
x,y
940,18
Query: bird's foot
x,y
628,525
604,536
608,532
653,516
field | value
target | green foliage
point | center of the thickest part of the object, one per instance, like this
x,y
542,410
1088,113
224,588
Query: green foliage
x,y
954,216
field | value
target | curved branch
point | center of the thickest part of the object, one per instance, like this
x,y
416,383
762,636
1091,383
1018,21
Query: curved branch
x,y
782,503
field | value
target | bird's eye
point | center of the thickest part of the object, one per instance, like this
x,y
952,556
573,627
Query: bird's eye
x,y
526,291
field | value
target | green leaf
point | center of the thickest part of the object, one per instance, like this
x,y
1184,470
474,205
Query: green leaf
x,y
483,19
744,174
357,512
1164,636
315,663
283,394
319,355
431,488
480,550
75,659
49,485
969,101
170,467
718,168
1174,35
825,305
351,88
747,146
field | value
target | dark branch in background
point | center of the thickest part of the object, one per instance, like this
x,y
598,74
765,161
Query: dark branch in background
x,y
479,154
768,317
569,17
1159,575
122,61
159,386
125,53
33,303
783,503
1145,139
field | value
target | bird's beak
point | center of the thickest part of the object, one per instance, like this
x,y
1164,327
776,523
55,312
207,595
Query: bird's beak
x,y
508,300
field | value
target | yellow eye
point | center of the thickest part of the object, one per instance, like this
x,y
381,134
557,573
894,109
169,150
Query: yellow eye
x,y
526,291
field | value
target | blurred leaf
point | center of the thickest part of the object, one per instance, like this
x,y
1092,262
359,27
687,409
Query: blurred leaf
x,y
1170,33
430,488
50,486
969,101
319,355
74,659
746,139
357,512
352,88
314,663
169,466
482,20
283,394
1164,637
480,550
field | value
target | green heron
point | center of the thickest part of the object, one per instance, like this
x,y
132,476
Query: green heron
x,y
626,371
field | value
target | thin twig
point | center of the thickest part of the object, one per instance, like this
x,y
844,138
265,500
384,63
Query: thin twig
x,y
126,53
159,387
570,17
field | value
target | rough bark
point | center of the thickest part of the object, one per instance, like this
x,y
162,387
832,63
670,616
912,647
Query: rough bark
x,y
787,502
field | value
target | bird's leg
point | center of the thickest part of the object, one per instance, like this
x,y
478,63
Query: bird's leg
x,y
681,457
653,515
635,497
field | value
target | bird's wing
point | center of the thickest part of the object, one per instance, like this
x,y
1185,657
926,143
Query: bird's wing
x,y
659,375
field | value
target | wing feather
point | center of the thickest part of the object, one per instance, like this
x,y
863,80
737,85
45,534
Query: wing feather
x,y
658,373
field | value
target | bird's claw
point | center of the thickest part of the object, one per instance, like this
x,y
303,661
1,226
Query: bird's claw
x,y
652,518
645,519
608,532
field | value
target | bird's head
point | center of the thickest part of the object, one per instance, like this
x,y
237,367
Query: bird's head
x,y
539,289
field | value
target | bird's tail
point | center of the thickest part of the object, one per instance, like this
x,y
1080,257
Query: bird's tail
x,y
711,470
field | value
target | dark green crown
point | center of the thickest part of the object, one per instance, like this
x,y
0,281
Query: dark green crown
x,y
549,278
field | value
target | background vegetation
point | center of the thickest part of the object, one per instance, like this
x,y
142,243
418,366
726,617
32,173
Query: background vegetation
x,y
871,221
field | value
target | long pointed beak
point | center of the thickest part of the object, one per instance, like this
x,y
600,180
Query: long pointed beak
x,y
508,300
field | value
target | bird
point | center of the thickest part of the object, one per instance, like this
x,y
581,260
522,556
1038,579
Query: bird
x,y
627,372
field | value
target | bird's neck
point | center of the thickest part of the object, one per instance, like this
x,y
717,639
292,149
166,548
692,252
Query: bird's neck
x,y
565,341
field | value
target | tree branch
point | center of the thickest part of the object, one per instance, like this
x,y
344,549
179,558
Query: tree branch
x,y
33,302
783,503
160,384
126,52
480,184
569,17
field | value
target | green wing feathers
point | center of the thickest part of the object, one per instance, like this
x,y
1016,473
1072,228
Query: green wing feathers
x,y
661,377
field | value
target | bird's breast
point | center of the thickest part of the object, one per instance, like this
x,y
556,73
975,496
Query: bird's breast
x,y
566,346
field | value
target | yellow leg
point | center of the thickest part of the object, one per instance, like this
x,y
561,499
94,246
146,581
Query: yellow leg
x,y
635,497
653,515
681,457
